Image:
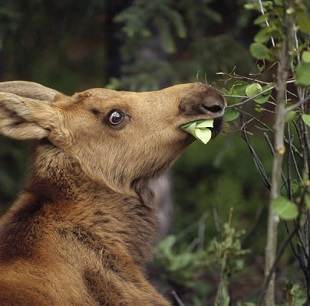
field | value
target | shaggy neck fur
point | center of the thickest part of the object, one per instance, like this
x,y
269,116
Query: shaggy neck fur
x,y
90,207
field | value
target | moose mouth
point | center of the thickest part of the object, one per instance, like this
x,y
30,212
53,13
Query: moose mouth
x,y
217,127
203,129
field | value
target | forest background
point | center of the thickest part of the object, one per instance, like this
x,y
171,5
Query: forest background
x,y
215,250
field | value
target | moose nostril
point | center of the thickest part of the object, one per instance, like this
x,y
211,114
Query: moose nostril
x,y
212,108
204,100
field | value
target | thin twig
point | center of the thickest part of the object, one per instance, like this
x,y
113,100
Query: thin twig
x,y
266,21
177,298
299,103
275,263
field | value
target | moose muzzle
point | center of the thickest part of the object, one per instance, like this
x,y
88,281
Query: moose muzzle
x,y
202,100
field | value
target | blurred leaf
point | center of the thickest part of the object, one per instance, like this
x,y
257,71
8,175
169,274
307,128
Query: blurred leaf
x,y
260,51
178,22
261,19
265,34
298,296
303,74
290,116
306,119
231,115
222,297
166,35
252,6
303,22
166,245
181,261
307,201
284,208
306,56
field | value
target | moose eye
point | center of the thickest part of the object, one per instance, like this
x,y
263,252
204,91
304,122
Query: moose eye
x,y
116,117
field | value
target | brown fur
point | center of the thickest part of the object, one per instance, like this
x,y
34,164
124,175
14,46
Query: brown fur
x,y
82,229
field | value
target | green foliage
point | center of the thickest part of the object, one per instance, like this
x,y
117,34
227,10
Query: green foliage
x,y
260,51
303,74
284,208
231,115
297,296
306,119
186,266
253,90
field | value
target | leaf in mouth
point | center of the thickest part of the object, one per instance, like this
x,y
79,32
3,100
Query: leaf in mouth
x,y
200,129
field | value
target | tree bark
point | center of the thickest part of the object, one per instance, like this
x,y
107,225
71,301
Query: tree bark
x,y
276,181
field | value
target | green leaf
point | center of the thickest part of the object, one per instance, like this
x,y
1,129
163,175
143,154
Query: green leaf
x,y
181,261
236,92
253,90
306,119
199,129
290,116
303,74
284,208
298,296
222,296
166,245
303,22
205,124
265,34
306,56
307,201
204,135
231,115
260,51
251,6
261,19
262,99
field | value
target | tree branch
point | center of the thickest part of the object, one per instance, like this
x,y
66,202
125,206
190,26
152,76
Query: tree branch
x,y
279,148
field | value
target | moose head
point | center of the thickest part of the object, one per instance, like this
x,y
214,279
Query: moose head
x,y
115,136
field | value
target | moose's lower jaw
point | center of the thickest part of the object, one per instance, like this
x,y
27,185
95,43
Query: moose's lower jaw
x,y
217,127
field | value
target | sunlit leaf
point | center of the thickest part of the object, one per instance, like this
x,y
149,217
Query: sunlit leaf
x,y
205,124
284,208
252,6
303,74
306,56
204,135
253,89
199,129
306,119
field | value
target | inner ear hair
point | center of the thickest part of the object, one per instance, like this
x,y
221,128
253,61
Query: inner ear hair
x,y
24,118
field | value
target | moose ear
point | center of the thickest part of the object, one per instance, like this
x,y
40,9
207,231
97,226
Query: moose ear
x,y
25,118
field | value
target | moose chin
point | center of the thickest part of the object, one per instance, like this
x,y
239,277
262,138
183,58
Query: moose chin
x,y
81,230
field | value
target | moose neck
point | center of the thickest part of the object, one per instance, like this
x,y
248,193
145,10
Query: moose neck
x,y
128,217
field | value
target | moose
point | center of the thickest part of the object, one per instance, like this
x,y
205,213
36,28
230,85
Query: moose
x,y
81,230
